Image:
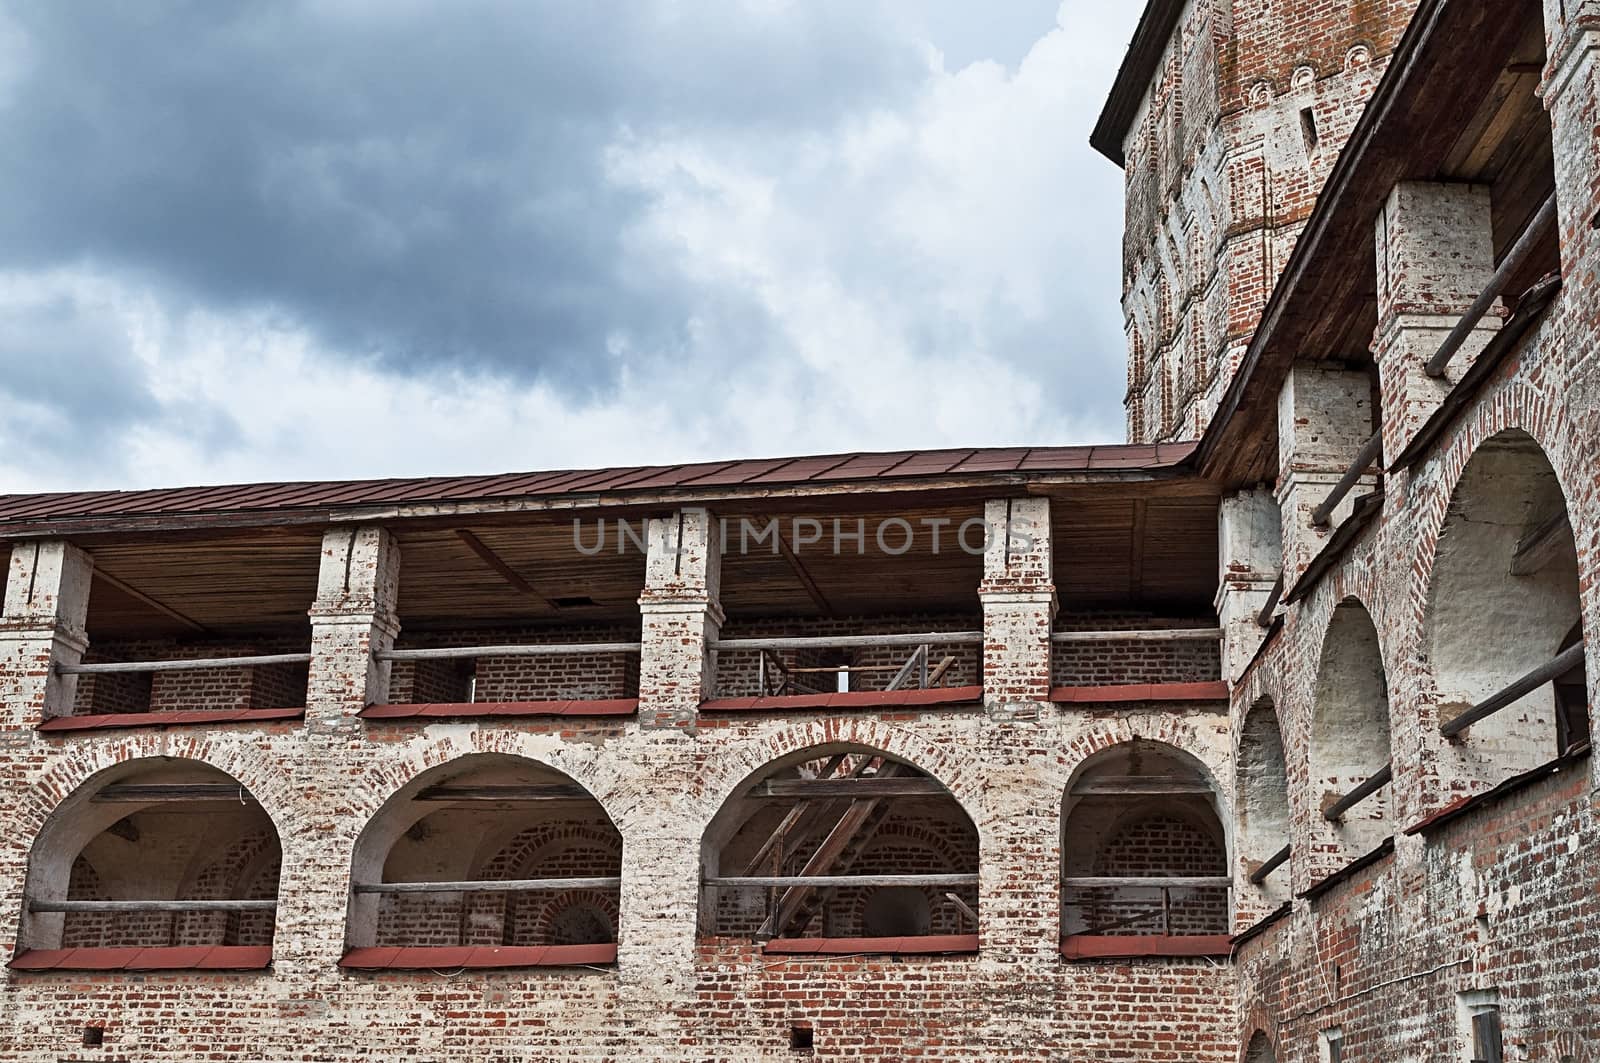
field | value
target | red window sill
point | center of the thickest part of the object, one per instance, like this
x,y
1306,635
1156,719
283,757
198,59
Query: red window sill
x,y
855,699
1141,692
1108,947
475,710
449,958
174,958
929,945
195,718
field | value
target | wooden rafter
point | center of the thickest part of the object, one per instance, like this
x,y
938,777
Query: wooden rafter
x,y
154,603
814,592
507,573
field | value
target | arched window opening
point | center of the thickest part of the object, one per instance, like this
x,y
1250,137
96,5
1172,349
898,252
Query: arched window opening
x,y
842,844
1144,857
1263,796
489,860
166,860
1260,1050
1350,769
1502,606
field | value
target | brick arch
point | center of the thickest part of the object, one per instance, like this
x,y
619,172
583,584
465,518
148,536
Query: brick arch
x,y
238,870
745,762
1259,1049
900,840
1175,732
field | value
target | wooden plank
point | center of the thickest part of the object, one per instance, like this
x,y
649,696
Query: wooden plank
x,y
507,573
1136,552
36,905
524,885
790,819
870,786
164,793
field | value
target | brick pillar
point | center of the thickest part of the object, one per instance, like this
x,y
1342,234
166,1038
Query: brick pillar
x,y
1018,595
1435,250
681,616
46,606
1324,417
353,617
1250,553
1571,93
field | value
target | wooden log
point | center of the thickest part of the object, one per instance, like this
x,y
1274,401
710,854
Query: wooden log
x,y
1381,778
810,642
545,649
871,786
36,905
1564,662
1371,451
1147,882
1264,618
530,792
829,881
1268,866
524,885
167,793
186,665
1176,634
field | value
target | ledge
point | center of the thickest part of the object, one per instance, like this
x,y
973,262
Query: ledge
x,y
1461,807
1217,691
195,718
473,710
178,958
1265,923
855,699
926,945
1350,870
449,958
1110,947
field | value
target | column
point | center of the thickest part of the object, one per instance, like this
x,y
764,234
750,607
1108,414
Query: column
x,y
1018,596
43,625
1435,254
681,617
1571,94
353,617
1250,557
1324,418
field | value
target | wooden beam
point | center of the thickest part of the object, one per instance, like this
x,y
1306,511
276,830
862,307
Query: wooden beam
x,y
1542,545
1174,634
523,885
140,596
870,786
1269,865
1564,662
804,881
790,819
507,573
36,905
1136,552
1140,786
814,592
167,793
1379,779
529,649
192,664
823,642
1147,882
528,792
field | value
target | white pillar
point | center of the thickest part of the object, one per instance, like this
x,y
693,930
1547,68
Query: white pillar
x,y
681,616
353,617
1250,553
43,625
1018,595
1324,418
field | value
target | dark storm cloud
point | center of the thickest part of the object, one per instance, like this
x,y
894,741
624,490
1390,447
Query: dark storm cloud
x,y
421,183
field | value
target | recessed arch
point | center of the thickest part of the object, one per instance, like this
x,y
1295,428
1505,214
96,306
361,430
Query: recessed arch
x,y
841,810
487,818
147,832
1133,814
1503,600
1260,1050
1262,790
1350,738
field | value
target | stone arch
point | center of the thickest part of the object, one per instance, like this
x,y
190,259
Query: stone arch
x,y
479,817
1142,810
151,829
1350,738
1502,599
769,826
1262,797
1259,1050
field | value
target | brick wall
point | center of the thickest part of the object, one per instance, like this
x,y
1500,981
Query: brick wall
x,y
542,678
256,687
1116,663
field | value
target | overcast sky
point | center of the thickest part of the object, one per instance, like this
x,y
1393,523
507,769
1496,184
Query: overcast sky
x,y
349,238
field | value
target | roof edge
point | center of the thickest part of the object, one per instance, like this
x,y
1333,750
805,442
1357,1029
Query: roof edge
x,y
1139,65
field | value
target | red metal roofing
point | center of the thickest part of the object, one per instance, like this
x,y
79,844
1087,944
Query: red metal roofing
x,y
855,699
470,710
767,472
190,717
174,958
1109,947
449,958
927,944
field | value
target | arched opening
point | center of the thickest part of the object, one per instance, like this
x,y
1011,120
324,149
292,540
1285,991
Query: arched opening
x,y
489,860
1260,1050
1263,797
170,860
1350,756
1144,856
842,843
1503,602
